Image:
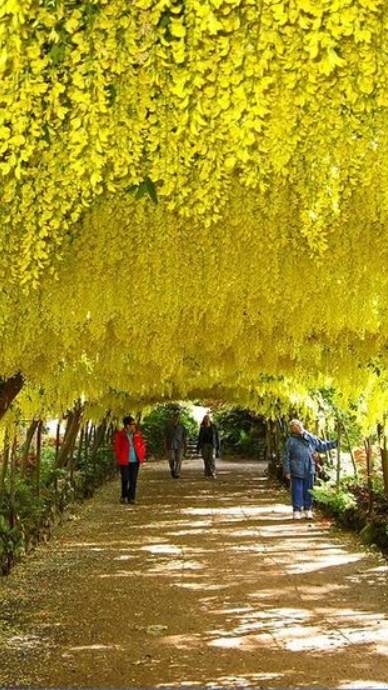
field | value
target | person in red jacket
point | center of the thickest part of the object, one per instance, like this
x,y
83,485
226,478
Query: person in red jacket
x,y
130,453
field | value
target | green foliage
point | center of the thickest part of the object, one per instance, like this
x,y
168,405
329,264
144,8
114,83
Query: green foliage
x,y
242,431
154,425
91,472
354,506
146,187
24,510
338,501
23,506
11,544
344,415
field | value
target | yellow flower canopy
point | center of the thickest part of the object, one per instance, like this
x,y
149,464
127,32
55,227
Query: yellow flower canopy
x,y
194,196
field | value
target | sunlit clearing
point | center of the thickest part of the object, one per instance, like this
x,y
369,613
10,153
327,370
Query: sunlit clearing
x,y
310,565
247,510
295,630
245,681
183,641
200,585
162,548
363,685
95,648
176,565
123,557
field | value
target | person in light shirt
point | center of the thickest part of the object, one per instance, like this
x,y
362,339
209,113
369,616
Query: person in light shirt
x,y
299,466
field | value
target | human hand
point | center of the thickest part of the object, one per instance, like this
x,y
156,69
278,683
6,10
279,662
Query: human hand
x,y
288,476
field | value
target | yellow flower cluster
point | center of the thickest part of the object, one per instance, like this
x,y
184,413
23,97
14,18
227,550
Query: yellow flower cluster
x,y
260,126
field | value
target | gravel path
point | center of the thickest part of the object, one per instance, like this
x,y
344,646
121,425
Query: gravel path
x,y
202,584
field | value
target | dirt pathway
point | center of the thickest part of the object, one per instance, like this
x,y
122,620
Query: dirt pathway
x,y
203,583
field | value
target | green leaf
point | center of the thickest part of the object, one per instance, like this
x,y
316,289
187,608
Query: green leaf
x,y
111,92
132,189
141,190
57,54
151,189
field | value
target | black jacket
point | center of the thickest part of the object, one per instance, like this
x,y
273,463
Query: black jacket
x,y
209,434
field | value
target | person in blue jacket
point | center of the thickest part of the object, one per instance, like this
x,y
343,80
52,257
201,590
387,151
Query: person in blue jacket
x,y
299,466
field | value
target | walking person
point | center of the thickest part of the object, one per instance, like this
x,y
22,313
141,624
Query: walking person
x,y
176,444
299,466
129,448
209,446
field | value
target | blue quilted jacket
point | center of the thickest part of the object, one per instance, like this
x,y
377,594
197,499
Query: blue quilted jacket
x,y
299,452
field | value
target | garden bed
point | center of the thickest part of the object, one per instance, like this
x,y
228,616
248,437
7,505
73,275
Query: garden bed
x,y
357,507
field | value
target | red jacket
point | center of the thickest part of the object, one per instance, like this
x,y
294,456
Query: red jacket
x,y
121,447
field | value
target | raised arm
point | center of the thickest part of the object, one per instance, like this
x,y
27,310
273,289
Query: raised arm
x,y
322,446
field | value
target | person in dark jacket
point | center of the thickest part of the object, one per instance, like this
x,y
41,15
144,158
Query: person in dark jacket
x,y
299,466
209,445
130,451
176,444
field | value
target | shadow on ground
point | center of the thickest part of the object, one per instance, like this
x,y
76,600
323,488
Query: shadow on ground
x,y
203,583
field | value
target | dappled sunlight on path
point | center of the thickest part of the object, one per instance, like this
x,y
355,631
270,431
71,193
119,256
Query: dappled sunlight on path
x,y
203,584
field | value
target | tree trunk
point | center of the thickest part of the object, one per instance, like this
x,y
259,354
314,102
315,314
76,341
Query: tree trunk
x,y
338,468
355,470
99,437
27,445
72,427
268,450
110,434
12,477
369,470
92,436
383,443
276,444
329,456
9,390
57,439
80,444
4,466
86,440
38,457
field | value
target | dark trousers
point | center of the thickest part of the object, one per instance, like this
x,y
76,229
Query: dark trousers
x,y
175,456
128,480
207,451
301,492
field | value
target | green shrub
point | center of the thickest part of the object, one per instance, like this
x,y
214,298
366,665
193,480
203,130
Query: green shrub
x,y
338,501
24,511
11,545
242,432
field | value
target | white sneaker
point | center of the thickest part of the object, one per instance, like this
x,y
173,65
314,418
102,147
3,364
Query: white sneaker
x,y
309,515
297,515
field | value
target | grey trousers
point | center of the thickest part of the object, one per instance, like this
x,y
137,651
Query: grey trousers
x,y
207,451
175,456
